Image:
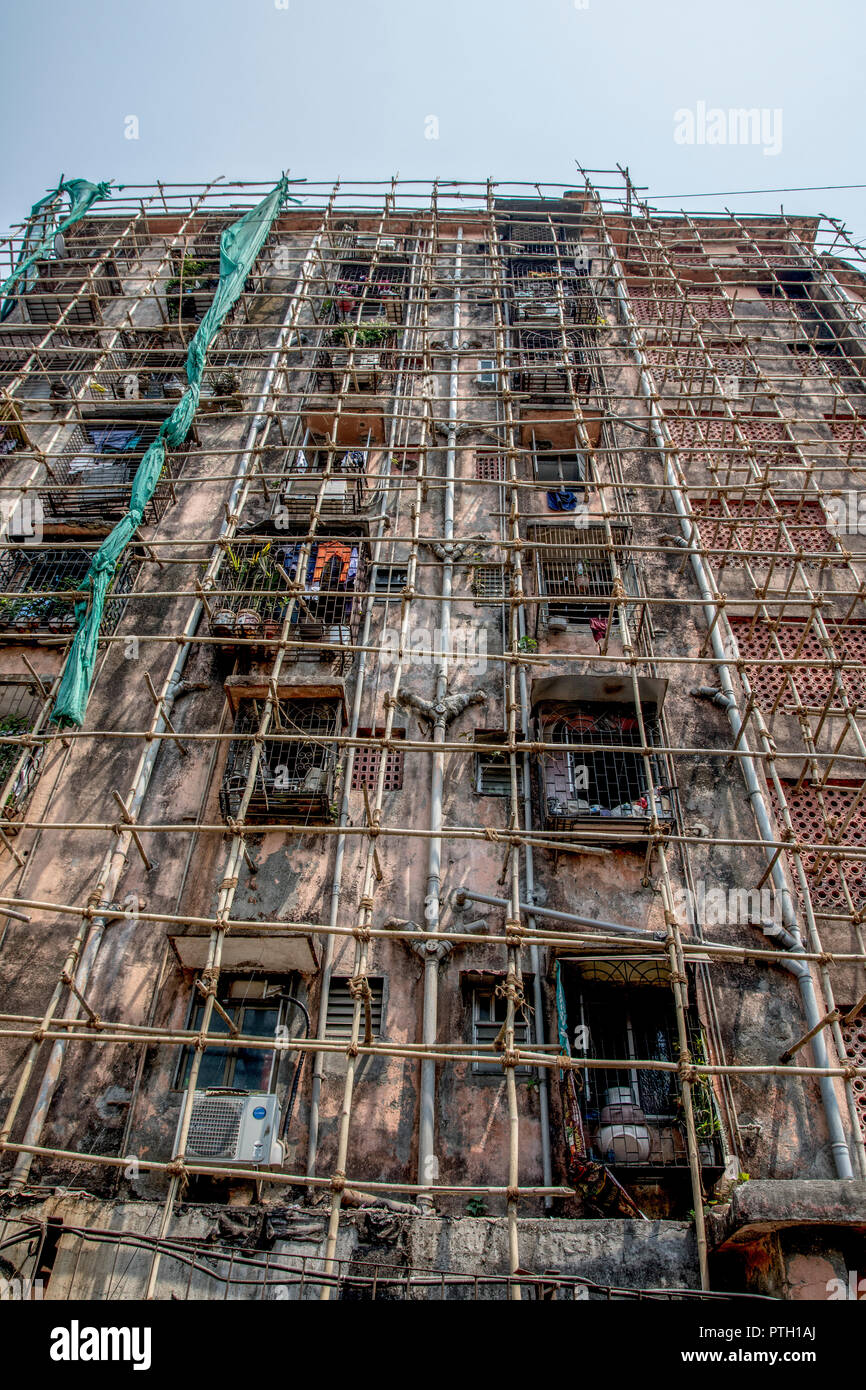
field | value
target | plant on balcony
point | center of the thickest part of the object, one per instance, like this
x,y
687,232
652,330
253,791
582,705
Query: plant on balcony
x,y
180,289
362,335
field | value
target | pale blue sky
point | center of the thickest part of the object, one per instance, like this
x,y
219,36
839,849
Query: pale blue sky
x,y
520,88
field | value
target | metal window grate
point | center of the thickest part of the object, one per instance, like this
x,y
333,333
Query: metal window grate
x,y
20,704
38,589
294,779
574,572
607,781
365,765
341,1007
488,583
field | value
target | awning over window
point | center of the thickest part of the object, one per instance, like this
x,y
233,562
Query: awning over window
x,y
239,688
277,952
611,689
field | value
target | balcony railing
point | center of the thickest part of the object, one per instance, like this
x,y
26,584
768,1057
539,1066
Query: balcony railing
x,y
364,351
93,475
21,703
594,776
629,1118
40,586
550,364
254,585
345,490
296,777
57,284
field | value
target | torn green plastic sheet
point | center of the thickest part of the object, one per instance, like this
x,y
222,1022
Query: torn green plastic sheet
x,y
239,246
82,195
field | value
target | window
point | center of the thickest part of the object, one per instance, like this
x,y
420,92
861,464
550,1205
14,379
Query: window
x,y
488,1016
389,581
20,706
341,1007
560,470
608,780
622,1012
575,574
365,765
493,769
256,1010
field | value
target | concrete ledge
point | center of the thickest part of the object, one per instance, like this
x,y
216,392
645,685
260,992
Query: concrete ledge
x,y
757,1208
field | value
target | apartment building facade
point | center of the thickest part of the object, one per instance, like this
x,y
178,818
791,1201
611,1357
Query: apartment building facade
x,y
454,886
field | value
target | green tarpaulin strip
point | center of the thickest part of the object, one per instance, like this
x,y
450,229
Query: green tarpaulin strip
x,y
82,195
239,246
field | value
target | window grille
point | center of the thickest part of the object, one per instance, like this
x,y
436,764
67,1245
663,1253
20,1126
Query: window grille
x,y
294,780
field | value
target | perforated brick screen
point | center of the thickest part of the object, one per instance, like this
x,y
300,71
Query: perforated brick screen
x,y
813,682
489,468
365,768
669,307
854,1035
809,823
767,438
756,529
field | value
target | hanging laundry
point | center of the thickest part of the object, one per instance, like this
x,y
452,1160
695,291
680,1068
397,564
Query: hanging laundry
x,y
598,628
562,500
113,440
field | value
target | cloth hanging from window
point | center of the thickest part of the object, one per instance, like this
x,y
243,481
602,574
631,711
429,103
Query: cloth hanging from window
x,y
113,440
561,500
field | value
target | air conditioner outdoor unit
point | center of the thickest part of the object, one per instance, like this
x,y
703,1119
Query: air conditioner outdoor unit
x,y
486,378
234,1127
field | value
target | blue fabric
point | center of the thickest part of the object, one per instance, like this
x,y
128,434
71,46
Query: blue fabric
x,y
562,500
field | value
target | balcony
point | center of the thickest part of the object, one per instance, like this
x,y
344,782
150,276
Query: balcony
x,y
593,781
296,779
345,488
92,476
21,703
550,364
574,570
39,588
361,353
365,291
252,589
630,1119
52,286
537,284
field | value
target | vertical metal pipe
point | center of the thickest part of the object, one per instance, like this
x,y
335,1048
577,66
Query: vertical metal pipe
x,y
432,907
